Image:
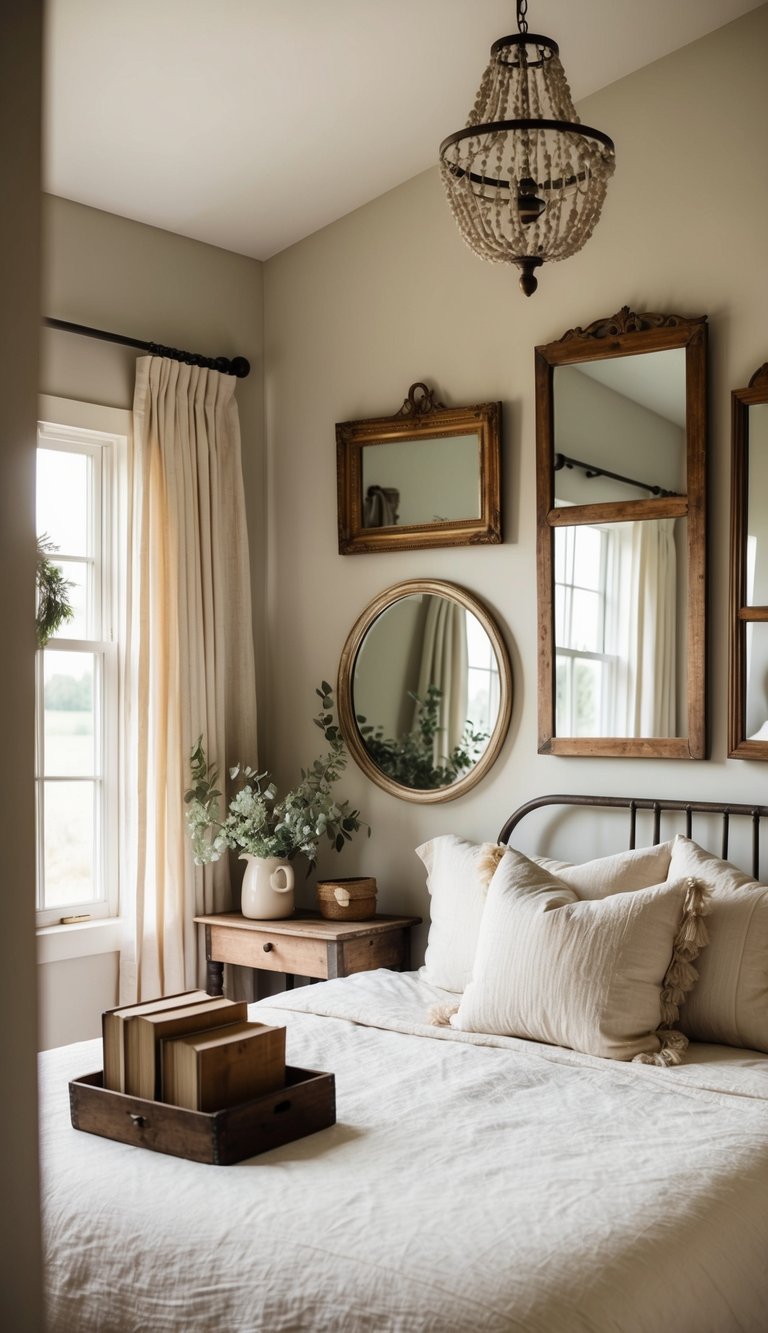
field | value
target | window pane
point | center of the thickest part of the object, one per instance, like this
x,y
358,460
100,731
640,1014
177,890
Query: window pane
x,y
587,681
62,499
70,729
69,843
478,700
78,575
479,647
586,633
588,557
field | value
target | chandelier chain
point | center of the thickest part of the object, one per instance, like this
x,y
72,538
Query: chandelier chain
x,y
522,10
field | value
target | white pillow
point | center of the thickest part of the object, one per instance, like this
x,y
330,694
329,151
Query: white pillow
x,y
597,976
730,1002
458,875
621,873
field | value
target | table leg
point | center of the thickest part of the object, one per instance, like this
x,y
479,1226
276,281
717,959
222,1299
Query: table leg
x,y
215,984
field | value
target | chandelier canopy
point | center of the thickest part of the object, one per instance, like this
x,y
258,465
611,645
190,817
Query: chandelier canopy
x,y
525,179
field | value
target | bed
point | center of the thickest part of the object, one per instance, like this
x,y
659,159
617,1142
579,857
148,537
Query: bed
x,y
473,1180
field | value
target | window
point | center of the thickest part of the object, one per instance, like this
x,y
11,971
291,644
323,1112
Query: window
x,y
583,666
79,509
483,689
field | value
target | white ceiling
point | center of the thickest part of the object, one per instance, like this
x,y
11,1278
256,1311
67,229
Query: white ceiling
x,y
250,124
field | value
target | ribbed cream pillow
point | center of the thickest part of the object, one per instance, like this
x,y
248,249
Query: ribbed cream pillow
x,y
596,976
730,1002
458,875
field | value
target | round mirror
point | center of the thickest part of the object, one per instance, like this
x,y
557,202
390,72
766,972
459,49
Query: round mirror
x,y
425,691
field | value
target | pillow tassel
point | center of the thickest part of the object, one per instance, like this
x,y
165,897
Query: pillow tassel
x,y
490,855
673,1046
440,1015
680,976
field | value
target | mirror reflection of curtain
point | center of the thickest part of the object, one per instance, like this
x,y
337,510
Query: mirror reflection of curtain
x,y
380,507
642,587
444,664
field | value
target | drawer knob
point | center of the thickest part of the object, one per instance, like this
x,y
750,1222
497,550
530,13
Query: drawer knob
x,y
268,947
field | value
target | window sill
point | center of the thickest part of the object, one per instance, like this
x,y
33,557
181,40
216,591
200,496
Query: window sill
x,y
57,943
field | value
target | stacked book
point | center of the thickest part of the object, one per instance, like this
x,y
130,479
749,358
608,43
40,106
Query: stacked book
x,y
193,1050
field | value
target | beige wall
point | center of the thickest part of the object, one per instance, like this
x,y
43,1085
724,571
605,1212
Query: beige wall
x,y
110,273
20,59
390,294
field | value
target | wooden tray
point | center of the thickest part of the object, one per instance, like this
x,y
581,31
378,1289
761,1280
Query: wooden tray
x,y
306,1104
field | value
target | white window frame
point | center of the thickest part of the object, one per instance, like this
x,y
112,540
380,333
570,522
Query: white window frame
x,y
103,434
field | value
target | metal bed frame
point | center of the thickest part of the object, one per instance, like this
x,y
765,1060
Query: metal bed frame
x,y
727,810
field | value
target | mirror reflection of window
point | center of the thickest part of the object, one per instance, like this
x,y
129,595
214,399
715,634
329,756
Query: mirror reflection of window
x,y
618,631
625,416
756,710
437,479
757,507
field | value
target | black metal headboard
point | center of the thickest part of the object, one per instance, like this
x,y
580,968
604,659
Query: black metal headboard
x,y
633,804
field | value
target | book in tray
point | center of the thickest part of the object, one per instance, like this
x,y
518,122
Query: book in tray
x,y
209,1071
142,1028
113,1028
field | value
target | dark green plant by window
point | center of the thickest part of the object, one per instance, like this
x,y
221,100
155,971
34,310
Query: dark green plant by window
x,y
410,760
53,605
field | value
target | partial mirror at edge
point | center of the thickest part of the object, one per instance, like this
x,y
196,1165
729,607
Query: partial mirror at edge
x,y
748,661
425,691
621,506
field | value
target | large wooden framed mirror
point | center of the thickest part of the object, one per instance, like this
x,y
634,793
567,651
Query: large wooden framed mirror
x,y
748,658
427,476
425,691
621,429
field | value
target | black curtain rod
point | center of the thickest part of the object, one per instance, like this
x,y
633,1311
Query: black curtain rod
x,y
562,460
237,366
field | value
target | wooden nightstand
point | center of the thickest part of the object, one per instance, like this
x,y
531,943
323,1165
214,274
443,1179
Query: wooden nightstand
x,y
305,945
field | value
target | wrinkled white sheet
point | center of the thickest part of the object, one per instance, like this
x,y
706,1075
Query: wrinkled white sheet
x,y
470,1183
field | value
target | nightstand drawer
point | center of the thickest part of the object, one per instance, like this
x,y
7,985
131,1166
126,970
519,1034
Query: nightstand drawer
x,y
365,954
271,951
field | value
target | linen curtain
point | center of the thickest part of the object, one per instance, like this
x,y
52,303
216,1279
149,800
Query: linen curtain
x,y
189,666
644,596
443,663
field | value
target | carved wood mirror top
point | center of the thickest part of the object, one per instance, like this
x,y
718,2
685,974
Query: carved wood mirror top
x,y
427,476
748,659
621,425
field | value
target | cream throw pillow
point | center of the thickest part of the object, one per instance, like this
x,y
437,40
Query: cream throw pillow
x,y
621,873
730,1001
458,875
596,976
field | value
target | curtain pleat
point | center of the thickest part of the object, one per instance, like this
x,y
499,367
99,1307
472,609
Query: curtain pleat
x,y
189,660
444,663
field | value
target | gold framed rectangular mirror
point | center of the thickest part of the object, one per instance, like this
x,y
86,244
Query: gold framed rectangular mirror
x,y
621,426
748,656
427,476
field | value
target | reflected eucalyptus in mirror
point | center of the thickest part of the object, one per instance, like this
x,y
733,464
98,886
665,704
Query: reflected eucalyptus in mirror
x,y
621,509
424,691
428,476
748,664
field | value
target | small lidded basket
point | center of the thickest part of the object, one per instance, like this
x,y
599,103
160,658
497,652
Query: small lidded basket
x,y
346,899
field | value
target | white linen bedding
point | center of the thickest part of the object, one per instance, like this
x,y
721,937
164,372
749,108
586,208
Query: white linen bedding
x,y
470,1183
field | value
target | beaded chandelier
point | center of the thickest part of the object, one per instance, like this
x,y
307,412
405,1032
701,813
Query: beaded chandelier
x,y
525,179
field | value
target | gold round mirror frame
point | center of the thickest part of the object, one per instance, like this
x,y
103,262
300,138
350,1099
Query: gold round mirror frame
x,y
344,690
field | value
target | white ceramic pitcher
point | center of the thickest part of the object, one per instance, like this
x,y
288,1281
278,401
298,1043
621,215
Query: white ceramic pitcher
x,y
267,892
